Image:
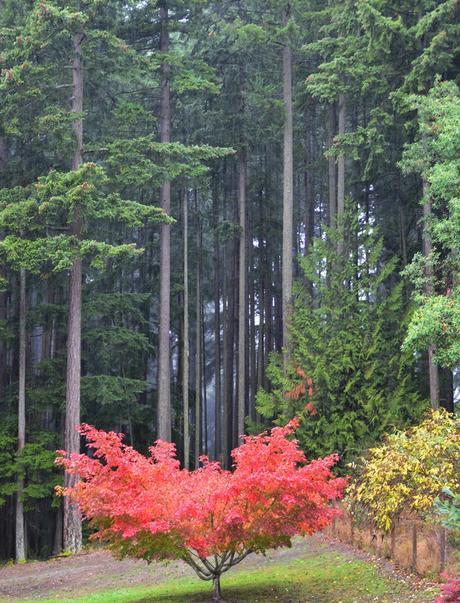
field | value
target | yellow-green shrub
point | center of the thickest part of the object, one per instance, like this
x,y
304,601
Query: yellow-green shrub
x,y
410,469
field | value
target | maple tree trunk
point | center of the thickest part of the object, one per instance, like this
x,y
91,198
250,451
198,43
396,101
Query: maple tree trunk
x,y
164,369
72,519
20,528
287,193
433,371
186,344
216,590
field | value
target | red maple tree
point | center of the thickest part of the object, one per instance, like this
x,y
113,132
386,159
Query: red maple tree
x,y
150,508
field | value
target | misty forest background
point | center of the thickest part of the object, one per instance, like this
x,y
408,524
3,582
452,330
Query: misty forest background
x,y
308,155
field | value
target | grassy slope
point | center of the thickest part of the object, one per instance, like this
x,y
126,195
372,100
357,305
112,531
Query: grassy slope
x,y
326,578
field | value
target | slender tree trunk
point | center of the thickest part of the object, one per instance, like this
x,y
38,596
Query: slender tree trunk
x,y
217,364
309,191
287,193
57,544
203,370
198,345
216,591
186,335
242,289
433,371
341,160
72,519
332,168
164,369
225,362
341,177
252,336
20,527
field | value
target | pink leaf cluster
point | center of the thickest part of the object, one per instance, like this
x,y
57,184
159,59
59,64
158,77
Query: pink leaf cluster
x,y
149,507
450,590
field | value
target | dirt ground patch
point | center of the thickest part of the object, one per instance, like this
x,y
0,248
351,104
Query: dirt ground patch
x,y
97,570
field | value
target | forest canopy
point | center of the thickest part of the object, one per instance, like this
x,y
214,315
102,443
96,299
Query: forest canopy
x,y
216,216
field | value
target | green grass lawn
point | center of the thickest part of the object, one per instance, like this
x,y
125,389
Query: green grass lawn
x,y
326,578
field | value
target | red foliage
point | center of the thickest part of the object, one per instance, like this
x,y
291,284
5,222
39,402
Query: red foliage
x,y
304,386
150,508
450,591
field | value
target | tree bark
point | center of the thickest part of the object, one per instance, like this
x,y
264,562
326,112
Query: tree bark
x,y
204,381
341,177
341,160
186,351
309,189
164,369
332,169
242,315
72,518
287,193
198,345
217,364
216,591
225,361
433,371
20,527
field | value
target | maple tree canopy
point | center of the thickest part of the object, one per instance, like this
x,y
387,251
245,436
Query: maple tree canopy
x,y
150,508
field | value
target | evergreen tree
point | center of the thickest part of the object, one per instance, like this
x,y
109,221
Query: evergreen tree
x,y
347,376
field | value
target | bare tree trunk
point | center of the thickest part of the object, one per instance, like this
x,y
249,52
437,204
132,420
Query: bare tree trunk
x,y
242,315
198,345
309,191
20,527
216,591
433,371
225,362
252,336
341,160
204,381
72,519
186,335
332,168
341,176
164,370
287,193
57,545
217,364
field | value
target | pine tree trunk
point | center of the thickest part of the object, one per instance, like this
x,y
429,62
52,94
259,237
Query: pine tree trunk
x,y
20,528
217,364
287,194
198,345
332,168
164,368
433,371
204,393
72,519
242,292
186,335
341,177
57,544
309,191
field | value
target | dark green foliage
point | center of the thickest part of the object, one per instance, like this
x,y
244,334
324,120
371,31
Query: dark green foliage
x,y
346,339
